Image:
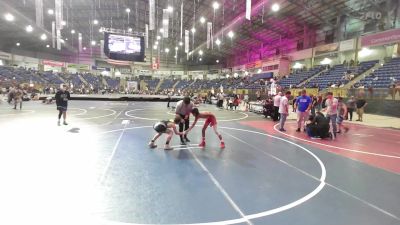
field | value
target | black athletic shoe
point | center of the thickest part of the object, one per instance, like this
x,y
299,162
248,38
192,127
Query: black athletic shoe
x,y
298,130
183,143
187,139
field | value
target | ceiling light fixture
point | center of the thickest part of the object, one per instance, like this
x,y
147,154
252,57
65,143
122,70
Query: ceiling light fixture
x,y
215,5
193,30
170,9
95,22
50,12
230,34
43,37
128,10
17,44
218,42
72,31
180,43
9,17
47,46
130,29
275,7
202,20
167,50
29,28
93,43
200,52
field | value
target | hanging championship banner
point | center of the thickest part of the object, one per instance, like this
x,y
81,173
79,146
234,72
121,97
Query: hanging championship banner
x,y
209,32
58,39
165,22
80,42
147,36
186,41
39,12
181,20
58,14
53,34
248,9
151,14
102,49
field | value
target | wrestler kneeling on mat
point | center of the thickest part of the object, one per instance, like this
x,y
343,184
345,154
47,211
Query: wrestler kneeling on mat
x,y
210,121
165,127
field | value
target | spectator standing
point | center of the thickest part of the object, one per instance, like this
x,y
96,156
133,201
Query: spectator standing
x,y
62,98
183,109
360,104
314,101
284,110
351,106
169,94
302,105
332,111
277,101
319,103
342,112
18,93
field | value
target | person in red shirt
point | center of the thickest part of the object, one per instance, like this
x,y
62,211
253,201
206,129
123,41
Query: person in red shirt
x,y
210,121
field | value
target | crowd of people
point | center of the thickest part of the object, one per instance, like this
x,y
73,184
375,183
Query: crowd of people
x,y
310,111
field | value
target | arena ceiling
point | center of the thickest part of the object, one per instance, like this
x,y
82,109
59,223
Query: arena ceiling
x,y
266,28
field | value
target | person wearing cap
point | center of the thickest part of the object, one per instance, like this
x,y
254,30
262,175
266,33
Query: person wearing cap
x,y
277,102
183,109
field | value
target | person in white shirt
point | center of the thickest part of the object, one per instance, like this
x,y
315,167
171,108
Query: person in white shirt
x,y
331,104
277,102
183,109
284,110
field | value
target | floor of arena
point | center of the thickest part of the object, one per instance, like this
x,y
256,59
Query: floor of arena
x,y
99,170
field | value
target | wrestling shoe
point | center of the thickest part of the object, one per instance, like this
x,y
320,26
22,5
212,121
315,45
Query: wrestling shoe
x,y
152,145
202,144
222,146
168,148
59,123
65,123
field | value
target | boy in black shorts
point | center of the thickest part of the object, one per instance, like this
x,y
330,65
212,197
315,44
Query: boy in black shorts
x,y
165,127
62,97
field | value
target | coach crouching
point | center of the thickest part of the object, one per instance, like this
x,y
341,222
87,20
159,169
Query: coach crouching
x,y
183,109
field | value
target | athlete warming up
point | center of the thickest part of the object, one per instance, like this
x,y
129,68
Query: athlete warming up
x,y
165,127
210,120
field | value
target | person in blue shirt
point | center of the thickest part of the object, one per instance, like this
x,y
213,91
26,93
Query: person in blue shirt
x,y
302,105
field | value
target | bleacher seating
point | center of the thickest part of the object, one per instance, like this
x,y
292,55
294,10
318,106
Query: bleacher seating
x,y
152,84
335,75
92,80
183,84
300,76
167,84
383,77
112,83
